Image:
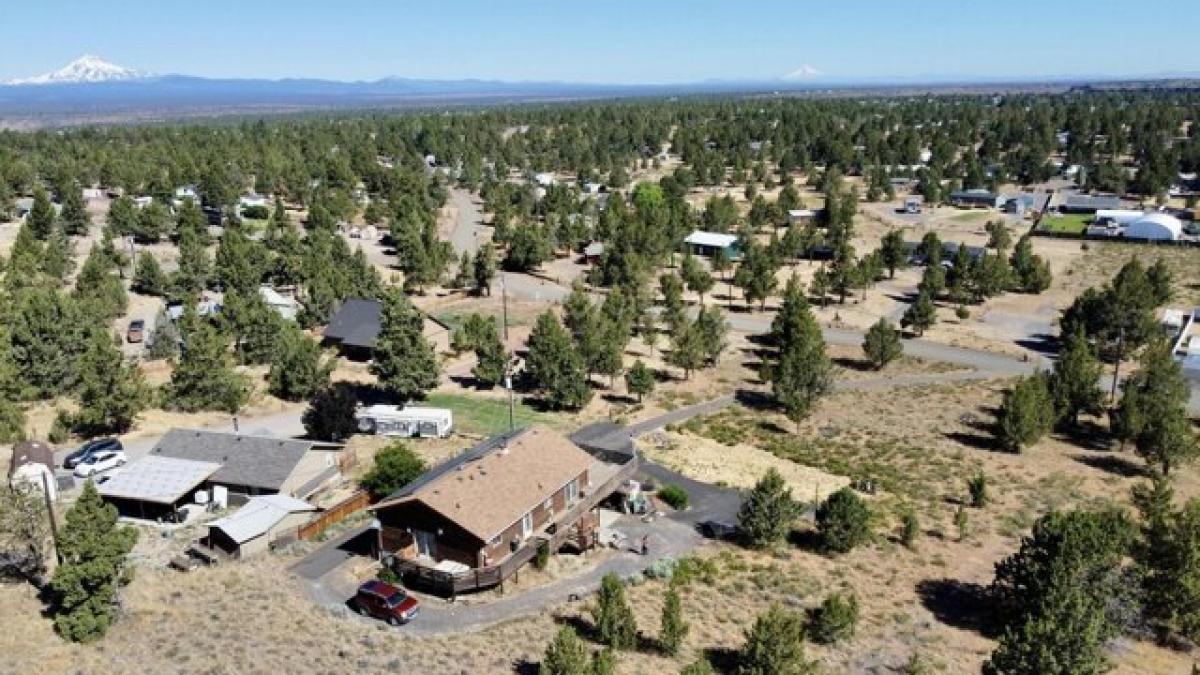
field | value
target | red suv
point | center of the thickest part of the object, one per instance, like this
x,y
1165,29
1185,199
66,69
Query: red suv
x,y
384,601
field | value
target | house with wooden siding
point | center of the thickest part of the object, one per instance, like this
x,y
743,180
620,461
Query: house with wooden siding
x,y
473,521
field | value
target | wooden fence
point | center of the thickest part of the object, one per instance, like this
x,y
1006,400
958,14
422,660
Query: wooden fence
x,y
333,515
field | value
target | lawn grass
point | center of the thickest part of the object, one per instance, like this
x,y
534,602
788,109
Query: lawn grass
x,y
972,216
489,416
1069,223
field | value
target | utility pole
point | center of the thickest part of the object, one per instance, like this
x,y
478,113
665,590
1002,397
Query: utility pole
x,y
50,512
504,301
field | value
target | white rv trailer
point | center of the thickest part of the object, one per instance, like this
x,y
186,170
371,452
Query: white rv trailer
x,y
390,420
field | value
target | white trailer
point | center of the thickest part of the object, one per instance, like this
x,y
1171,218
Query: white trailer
x,y
409,421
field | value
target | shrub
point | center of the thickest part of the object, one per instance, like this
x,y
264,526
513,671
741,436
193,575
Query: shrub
x,y
844,521
775,644
675,496
911,528
962,313
767,514
698,667
395,466
673,628
977,487
542,559
835,619
60,428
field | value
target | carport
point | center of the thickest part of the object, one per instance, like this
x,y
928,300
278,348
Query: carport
x,y
154,487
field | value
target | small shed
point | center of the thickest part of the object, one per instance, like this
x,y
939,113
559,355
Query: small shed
x,y
252,529
593,252
285,306
708,243
800,216
976,199
31,462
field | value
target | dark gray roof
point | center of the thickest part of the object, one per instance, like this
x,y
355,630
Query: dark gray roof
x,y
356,323
1095,202
254,461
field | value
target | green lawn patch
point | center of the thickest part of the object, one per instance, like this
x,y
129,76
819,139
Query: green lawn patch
x,y
489,416
970,216
1068,223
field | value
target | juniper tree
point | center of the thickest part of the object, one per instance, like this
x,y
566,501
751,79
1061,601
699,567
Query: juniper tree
x,y
253,325
920,315
403,361
1074,382
93,548
203,377
697,279
395,466
74,218
330,413
554,366
491,359
112,393
843,522
835,619
297,367
1026,413
767,514
882,344
1153,411
775,645
639,380
41,216
893,252
483,268
565,655
24,532
616,625
148,277
99,292
673,628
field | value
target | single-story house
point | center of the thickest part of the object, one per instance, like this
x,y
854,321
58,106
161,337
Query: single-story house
x,y
1020,204
32,461
474,520
143,201
1079,203
154,487
976,198
255,465
287,306
251,201
23,205
355,326
708,243
255,527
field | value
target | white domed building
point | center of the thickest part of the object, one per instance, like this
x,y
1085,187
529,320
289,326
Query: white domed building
x,y
1155,226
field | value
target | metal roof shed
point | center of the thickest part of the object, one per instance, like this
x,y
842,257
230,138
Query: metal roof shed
x,y
252,528
153,485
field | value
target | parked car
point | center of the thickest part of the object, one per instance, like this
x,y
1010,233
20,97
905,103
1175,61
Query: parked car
x,y
137,331
382,600
90,448
715,529
100,462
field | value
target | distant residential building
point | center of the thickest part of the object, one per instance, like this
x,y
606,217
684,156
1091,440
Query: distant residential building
x,y
285,305
1080,203
355,326
593,252
976,198
800,216
912,205
544,179
708,243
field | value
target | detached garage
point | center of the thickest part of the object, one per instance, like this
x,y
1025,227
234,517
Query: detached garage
x,y
253,528
1156,227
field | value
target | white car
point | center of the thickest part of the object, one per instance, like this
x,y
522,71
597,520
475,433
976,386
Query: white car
x,y
100,462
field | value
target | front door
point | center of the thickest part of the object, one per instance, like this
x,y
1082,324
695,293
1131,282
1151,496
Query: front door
x,y
426,544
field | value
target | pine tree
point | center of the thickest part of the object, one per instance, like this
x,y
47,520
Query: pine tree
x,y
893,252
41,216
47,333
74,218
59,257
767,514
112,393
255,327
297,368
98,290
491,359
673,629
404,360
148,277
93,549
835,619
687,349
122,219
195,268
802,372
616,626
921,314
775,645
24,260
203,377
882,344
330,413
1074,384
695,277
1153,410
756,275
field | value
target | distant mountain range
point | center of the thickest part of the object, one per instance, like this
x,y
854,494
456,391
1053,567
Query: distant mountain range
x,y
92,90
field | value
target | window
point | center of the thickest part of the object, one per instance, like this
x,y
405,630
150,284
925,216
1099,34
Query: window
x,y
573,490
527,525
548,504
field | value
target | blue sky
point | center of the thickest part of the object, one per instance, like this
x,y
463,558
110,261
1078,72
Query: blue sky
x,y
614,41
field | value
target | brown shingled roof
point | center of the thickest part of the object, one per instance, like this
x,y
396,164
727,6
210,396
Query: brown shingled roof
x,y
31,452
486,495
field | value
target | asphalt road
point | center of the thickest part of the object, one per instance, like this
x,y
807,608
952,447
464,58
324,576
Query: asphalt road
x,y
469,230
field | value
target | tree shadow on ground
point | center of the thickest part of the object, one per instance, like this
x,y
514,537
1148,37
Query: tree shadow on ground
x,y
860,365
980,431
757,400
1116,465
526,667
1088,435
960,604
906,298
723,659
621,399
583,627
1042,343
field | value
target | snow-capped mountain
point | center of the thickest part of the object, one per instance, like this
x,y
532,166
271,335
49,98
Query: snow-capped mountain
x,y
85,69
